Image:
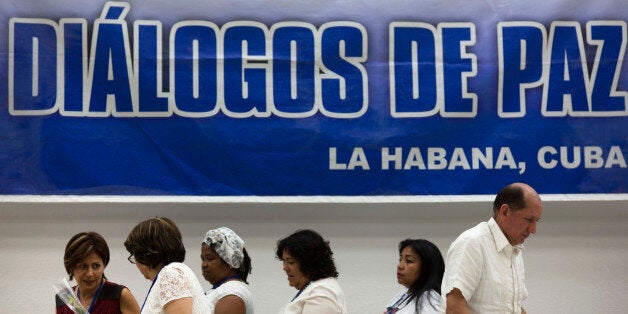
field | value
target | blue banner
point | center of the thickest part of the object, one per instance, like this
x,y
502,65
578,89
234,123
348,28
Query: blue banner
x,y
292,98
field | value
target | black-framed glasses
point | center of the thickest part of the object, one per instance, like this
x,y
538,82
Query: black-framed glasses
x,y
131,259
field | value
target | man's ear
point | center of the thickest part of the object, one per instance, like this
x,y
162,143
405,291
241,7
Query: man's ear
x,y
504,211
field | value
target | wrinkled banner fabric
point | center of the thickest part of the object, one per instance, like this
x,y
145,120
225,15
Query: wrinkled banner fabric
x,y
312,98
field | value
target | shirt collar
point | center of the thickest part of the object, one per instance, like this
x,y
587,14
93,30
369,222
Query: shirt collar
x,y
501,242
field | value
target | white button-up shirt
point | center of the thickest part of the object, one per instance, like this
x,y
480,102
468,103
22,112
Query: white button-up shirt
x,y
488,271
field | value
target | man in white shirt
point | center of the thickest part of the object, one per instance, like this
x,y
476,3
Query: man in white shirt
x,y
484,268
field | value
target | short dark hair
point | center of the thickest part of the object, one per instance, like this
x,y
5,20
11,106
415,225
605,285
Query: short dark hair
x,y
313,253
156,241
513,195
80,246
432,268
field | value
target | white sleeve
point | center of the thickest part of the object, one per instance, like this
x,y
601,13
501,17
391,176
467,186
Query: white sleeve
x,y
463,268
173,285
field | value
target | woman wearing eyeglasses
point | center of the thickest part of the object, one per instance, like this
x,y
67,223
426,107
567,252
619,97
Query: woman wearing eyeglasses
x,y
85,259
157,250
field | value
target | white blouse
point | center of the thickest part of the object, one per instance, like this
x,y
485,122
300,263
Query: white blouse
x,y
428,303
320,296
175,281
233,287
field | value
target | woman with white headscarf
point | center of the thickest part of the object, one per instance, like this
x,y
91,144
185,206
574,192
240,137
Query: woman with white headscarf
x,y
226,265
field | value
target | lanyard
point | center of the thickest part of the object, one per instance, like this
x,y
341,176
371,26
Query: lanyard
x,y
149,289
91,306
395,307
223,280
299,293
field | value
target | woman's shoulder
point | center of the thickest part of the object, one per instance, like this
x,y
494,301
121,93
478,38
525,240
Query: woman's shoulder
x,y
111,290
176,268
430,300
176,265
327,294
329,281
397,296
233,287
112,285
329,284
177,273
235,284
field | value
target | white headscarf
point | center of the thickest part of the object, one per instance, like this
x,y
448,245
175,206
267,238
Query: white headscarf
x,y
227,244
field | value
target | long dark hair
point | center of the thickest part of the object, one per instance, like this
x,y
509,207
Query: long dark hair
x,y
432,269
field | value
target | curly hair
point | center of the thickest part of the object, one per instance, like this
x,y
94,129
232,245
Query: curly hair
x,y
156,241
80,246
313,253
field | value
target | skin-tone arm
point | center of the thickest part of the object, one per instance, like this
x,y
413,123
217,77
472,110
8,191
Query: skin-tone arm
x,y
230,304
128,304
179,306
456,303
523,311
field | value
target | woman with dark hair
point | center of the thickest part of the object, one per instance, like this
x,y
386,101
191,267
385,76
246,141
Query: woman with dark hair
x,y
156,248
85,259
308,262
420,270
226,265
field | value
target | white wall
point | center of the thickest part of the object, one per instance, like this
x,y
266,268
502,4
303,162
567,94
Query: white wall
x,y
575,264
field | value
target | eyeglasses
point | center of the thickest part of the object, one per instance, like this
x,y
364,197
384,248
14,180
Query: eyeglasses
x,y
131,259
